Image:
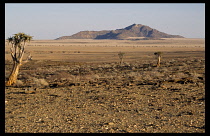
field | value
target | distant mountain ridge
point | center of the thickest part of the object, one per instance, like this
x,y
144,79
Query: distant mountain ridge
x,y
134,30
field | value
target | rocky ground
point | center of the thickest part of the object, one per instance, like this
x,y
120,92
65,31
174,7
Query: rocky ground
x,y
136,97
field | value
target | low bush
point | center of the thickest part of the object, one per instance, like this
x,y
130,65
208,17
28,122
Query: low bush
x,y
19,83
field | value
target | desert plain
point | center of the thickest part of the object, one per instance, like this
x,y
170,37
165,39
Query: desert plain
x,y
78,86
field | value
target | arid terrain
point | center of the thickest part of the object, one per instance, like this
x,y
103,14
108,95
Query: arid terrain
x,y
78,86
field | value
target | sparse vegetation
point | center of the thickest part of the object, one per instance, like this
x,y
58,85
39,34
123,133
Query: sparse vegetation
x,y
89,96
159,55
19,83
121,55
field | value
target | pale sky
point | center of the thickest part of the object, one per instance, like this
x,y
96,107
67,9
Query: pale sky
x,y
52,20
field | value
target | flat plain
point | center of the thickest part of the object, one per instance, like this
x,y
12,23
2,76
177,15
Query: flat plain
x,y
78,86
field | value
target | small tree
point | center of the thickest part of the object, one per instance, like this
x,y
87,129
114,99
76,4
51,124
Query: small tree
x,y
18,42
159,55
121,55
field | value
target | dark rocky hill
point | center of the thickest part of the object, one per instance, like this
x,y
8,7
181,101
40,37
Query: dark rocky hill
x,y
134,30
84,35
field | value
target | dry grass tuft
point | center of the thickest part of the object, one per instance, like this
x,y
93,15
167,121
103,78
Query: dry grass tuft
x,y
34,82
19,83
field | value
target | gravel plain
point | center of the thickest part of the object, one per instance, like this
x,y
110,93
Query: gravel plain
x,y
136,97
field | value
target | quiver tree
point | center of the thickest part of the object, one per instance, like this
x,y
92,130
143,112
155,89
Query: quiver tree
x,y
18,42
159,55
121,55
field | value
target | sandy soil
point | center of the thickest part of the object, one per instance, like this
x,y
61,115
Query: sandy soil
x,y
100,50
81,88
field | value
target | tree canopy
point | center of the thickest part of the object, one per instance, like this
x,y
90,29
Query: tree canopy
x,y
19,39
158,53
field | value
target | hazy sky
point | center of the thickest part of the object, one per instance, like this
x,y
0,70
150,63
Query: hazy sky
x,y
52,20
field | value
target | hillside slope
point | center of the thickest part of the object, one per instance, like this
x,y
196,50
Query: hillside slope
x,y
134,30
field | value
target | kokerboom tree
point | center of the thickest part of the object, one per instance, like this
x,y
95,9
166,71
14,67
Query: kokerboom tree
x,y
18,43
121,55
159,55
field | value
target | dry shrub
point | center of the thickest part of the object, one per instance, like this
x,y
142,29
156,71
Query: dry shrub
x,y
150,75
43,82
119,78
19,83
162,69
156,74
183,64
133,74
71,78
38,82
62,75
180,75
25,75
195,75
93,77
176,76
145,75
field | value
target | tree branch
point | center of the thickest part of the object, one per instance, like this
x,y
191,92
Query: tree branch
x,y
27,59
12,54
21,52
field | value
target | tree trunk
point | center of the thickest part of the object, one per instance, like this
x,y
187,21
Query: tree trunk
x,y
121,61
158,62
13,76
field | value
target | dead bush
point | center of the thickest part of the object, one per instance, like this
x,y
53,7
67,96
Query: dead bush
x,y
60,76
25,75
195,75
156,74
43,82
34,82
180,75
145,75
19,83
